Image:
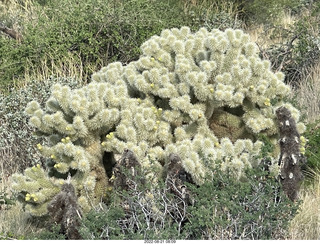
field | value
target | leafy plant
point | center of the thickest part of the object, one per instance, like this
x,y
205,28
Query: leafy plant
x,y
5,199
51,233
264,11
90,33
254,208
222,208
295,48
312,148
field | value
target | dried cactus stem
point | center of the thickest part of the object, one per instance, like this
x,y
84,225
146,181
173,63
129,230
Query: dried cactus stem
x,y
176,177
127,171
65,211
290,157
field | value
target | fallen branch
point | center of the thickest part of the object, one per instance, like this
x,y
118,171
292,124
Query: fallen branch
x,y
11,32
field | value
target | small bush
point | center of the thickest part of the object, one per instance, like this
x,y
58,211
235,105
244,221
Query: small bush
x,y
265,11
102,224
140,212
51,233
312,149
254,208
221,208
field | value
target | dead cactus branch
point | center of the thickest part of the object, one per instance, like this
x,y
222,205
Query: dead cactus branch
x,y
177,177
65,211
290,157
127,171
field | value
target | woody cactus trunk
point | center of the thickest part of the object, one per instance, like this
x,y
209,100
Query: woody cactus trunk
x,y
291,157
205,96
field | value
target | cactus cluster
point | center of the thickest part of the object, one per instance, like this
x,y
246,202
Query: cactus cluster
x,y
205,96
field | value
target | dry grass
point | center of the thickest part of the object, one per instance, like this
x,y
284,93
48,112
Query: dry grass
x,y
14,12
265,37
68,66
211,7
14,222
307,95
306,225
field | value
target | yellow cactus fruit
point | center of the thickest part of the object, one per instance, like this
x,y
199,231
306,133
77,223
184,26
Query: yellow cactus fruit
x,y
39,146
28,197
267,102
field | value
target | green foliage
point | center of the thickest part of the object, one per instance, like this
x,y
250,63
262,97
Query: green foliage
x,y
102,224
306,52
254,208
298,48
92,33
5,199
221,208
312,148
264,11
51,233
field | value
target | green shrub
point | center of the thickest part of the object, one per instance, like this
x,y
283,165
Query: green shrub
x,y
92,33
222,208
298,49
51,233
312,149
102,224
141,212
254,208
265,11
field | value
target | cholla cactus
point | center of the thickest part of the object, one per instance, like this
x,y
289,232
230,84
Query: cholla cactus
x,y
204,96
